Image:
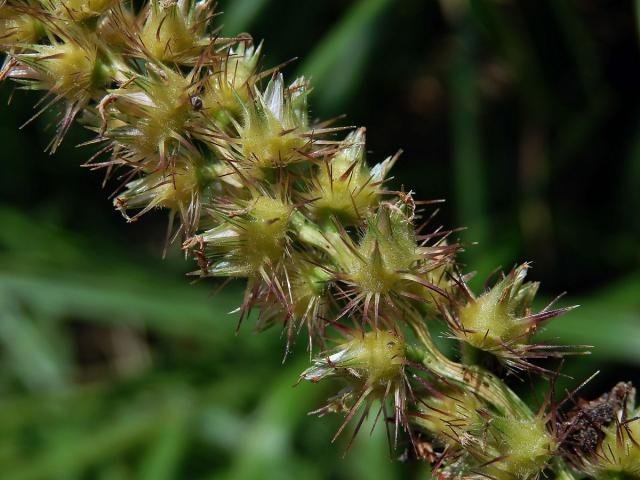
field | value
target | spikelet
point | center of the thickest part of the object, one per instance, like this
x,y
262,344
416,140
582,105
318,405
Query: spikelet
x,y
602,437
345,187
373,364
274,127
18,26
77,10
307,291
388,269
227,89
501,322
175,31
74,69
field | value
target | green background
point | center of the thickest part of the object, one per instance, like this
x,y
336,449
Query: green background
x,y
524,115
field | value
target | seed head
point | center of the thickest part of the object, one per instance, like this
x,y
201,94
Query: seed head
x,y
175,31
345,187
602,437
185,123
373,364
501,321
18,27
273,129
251,239
77,10
229,86
386,269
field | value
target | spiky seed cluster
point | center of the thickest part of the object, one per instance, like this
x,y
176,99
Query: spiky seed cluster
x,y
274,130
476,439
17,26
175,32
373,364
619,453
186,121
345,187
501,322
600,437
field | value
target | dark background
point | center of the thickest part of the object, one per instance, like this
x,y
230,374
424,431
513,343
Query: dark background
x,y
524,115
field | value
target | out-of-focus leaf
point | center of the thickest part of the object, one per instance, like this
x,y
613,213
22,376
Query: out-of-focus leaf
x,y
60,275
580,43
579,126
465,141
26,237
163,457
613,334
267,440
174,309
608,320
630,191
115,471
31,356
336,63
70,456
240,14
511,41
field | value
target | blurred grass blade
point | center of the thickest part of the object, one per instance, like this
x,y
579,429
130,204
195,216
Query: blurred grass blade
x,y
579,126
162,461
465,142
369,458
513,42
614,334
115,471
609,320
72,456
581,45
268,441
629,194
335,66
31,356
240,14
170,308
24,236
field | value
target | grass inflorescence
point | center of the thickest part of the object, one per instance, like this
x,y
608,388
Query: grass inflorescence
x,y
186,120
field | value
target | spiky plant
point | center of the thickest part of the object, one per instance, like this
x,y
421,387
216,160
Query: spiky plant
x,y
254,188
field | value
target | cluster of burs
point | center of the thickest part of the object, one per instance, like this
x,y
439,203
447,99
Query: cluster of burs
x,y
186,120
